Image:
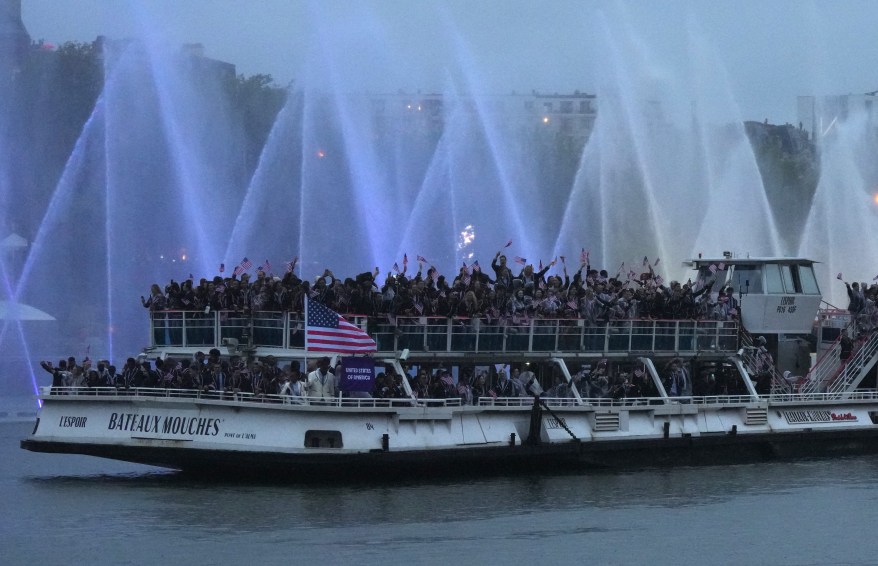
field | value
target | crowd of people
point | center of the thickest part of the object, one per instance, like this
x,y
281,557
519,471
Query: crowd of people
x,y
590,294
235,377
863,305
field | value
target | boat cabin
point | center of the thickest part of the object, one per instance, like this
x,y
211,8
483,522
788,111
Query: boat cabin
x,y
776,295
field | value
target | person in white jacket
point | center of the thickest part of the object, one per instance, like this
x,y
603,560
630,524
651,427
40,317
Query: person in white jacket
x,y
322,384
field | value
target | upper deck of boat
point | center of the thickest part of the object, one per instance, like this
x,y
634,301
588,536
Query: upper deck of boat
x,y
282,334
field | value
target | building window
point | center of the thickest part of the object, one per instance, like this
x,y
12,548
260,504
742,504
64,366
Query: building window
x,y
566,106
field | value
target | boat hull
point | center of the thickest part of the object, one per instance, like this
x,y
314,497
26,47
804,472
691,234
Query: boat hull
x,y
232,437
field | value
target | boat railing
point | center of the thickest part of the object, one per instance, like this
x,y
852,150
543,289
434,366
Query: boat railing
x,y
243,397
828,365
453,335
798,398
486,401
855,368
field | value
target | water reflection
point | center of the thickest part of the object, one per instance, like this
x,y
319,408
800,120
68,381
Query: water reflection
x,y
248,507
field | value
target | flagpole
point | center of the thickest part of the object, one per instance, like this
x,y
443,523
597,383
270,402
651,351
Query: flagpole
x,y
305,326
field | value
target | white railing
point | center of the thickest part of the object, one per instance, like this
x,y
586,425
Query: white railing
x,y
857,366
106,393
241,397
825,368
442,334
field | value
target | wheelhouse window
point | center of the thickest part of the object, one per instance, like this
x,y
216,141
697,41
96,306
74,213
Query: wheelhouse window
x,y
807,280
774,280
748,278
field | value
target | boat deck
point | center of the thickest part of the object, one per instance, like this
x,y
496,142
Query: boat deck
x,y
442,337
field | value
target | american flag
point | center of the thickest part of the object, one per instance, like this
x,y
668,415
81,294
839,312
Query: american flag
x,y
509,243
246,264
722,266
291,265
422,259
266,267
222,267
540,268
839,277
638,373
712,268
328,331
583,256
476,266
238,270
395,267
405,259
659,280
520,260
466,280
572,304
419,307
465,268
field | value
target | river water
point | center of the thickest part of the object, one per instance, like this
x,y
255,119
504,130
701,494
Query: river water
x,y
59,509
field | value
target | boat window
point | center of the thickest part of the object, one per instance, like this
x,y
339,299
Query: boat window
x,y
323,439
789,281
748,278
807,280
773,279
793,271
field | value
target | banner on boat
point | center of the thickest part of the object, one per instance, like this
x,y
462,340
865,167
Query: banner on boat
x,y
358,374
818,416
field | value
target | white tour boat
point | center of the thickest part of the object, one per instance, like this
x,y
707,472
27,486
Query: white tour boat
x,y
605,399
